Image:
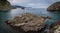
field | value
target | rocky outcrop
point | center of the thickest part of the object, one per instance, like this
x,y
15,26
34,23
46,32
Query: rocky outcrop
x,y
5,5
27,22
54,7
55,27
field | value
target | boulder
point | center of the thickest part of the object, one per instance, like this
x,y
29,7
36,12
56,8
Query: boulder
x,y
55,27
27,22
54,7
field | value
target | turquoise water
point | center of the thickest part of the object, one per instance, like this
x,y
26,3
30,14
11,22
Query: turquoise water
x,y
15,12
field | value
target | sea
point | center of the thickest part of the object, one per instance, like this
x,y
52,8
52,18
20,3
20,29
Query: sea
x,y
10,14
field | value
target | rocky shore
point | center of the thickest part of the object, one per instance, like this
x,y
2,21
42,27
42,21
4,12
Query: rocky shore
x,y
27,23
55,27
54,7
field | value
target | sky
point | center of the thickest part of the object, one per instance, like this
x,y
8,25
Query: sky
x,y
33,3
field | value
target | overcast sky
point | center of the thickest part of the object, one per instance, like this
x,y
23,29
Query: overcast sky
x,y
33,3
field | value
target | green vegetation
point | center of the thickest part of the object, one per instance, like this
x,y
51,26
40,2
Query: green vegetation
x,y
4,5
3,2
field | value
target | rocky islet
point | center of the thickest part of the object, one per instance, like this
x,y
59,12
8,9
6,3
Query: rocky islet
x,y
28,22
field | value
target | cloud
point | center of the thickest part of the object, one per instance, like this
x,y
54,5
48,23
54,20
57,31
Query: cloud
x,y
18,1
33,3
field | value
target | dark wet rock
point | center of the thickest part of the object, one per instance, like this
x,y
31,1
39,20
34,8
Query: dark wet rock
x,y
5,5
54,7
55,27
28,23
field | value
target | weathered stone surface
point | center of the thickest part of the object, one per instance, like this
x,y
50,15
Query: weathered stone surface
x,y
54,7
55,27
28,22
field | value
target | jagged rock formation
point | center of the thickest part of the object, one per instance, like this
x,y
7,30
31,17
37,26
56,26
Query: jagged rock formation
x,y
5,5
54,7
55,27
28,22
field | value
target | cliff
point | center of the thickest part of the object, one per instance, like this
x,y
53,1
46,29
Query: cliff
x,y
54,7
5,5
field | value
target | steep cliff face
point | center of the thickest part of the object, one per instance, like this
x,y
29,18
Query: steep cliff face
x,y
5,5
54,7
